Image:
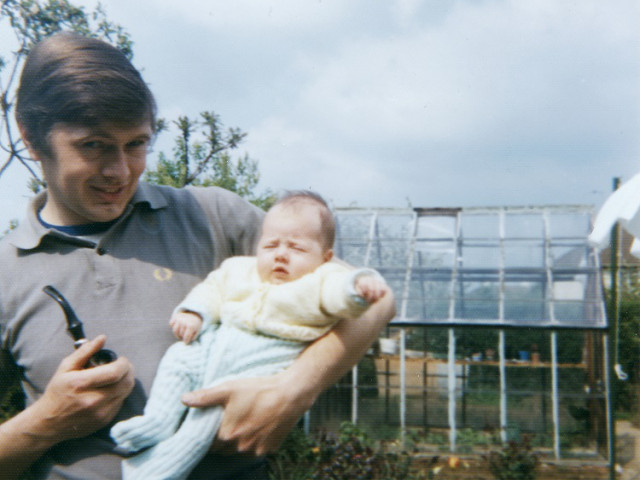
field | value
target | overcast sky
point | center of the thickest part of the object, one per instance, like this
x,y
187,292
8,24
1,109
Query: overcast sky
x,y
388,103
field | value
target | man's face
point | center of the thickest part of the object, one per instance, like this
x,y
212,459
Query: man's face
x,y
92,172
290,245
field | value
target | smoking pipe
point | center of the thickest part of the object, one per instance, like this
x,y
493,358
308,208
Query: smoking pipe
x,y
74,327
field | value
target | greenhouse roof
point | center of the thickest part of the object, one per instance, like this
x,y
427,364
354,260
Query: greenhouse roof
x,y
503,266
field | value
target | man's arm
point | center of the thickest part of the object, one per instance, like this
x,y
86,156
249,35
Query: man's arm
x,y
76,402
259,413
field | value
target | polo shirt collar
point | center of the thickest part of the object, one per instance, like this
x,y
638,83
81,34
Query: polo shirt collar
x,y
30,232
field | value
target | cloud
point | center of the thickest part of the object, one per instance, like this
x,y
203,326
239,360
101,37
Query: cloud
x,y
456,102
502,92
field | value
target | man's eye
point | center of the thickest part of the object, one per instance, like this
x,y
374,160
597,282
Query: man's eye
x,y
138,144
94,144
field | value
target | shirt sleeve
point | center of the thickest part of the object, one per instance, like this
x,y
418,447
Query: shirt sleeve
x,y
235,222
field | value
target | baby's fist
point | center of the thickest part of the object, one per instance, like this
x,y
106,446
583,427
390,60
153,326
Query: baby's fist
x,y
370,288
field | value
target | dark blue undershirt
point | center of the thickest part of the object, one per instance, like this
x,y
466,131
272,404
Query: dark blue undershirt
x,y
80,230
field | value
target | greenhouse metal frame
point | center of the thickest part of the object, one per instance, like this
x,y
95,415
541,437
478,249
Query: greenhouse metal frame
x,y
496,267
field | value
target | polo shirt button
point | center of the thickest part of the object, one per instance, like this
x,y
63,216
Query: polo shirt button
x,y
101,251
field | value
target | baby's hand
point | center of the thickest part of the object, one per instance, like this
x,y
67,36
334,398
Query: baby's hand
x,y
370,288
186,326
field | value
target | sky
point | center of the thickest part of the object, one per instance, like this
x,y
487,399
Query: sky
x,y
435,103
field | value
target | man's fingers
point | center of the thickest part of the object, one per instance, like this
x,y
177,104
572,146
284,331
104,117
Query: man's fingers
x,y
206,397
79,358
110,374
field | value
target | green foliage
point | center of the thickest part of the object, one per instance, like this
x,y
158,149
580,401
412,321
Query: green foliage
x,y
516,461
628,339
11,400
31,21
349,454
206,160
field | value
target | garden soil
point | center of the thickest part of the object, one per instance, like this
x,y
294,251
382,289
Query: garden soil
x,y
448,467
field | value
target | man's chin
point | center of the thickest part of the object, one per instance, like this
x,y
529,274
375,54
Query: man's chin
x,y
108,214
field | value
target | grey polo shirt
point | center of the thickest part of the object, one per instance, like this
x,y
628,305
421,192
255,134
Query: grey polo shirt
x,y
125,286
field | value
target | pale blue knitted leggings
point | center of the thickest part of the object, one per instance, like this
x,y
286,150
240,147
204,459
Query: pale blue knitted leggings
x,y
177,447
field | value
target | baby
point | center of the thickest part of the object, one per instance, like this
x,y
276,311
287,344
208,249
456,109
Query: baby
x,y
251,317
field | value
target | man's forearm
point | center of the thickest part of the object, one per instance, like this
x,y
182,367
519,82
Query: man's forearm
x,y
19,446
260,412
329,358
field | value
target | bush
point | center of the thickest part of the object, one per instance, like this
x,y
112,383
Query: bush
x,y
350,454
11,400
516,461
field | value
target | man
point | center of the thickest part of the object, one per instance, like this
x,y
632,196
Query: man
x,y
124,254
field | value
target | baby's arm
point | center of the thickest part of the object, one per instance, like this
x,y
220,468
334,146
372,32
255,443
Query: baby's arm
x,y
186,325
348,293
370,287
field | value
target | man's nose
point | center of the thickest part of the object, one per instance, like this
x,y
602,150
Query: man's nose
x,y
116,164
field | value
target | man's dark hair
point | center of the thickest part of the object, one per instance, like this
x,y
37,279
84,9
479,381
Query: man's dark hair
x,y
69,78
292,198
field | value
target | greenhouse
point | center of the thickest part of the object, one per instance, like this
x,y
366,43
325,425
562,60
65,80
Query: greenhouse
x,y
500,330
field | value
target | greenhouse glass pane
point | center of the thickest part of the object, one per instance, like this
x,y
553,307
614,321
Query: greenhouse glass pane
x,y
568,312
523,225
480,255
389,253
395,227
524,254
354,226
569,225
479,226
429,300
477,300
434,255
436,227
353,253
569,255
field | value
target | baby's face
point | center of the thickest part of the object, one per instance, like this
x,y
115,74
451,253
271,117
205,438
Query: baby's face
x,y
290,245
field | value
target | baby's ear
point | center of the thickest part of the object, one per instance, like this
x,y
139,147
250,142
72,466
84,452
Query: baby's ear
x,y
328,255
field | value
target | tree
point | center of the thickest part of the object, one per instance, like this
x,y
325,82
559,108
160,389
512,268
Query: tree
x,y
31,21
206,160
195,162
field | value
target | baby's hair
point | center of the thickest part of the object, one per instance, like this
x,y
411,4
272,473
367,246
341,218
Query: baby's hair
x,y
293,198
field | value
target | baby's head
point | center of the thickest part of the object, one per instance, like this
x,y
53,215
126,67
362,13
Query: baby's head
x,y
297,237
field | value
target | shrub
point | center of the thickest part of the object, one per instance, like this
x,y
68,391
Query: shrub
x,y
349,454
516,461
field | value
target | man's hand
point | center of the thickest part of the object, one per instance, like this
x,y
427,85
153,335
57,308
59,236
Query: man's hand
x,y
259,413
79,401
76,402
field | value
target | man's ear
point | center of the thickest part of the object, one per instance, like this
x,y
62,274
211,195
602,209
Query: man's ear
x,y
33,153
328,255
